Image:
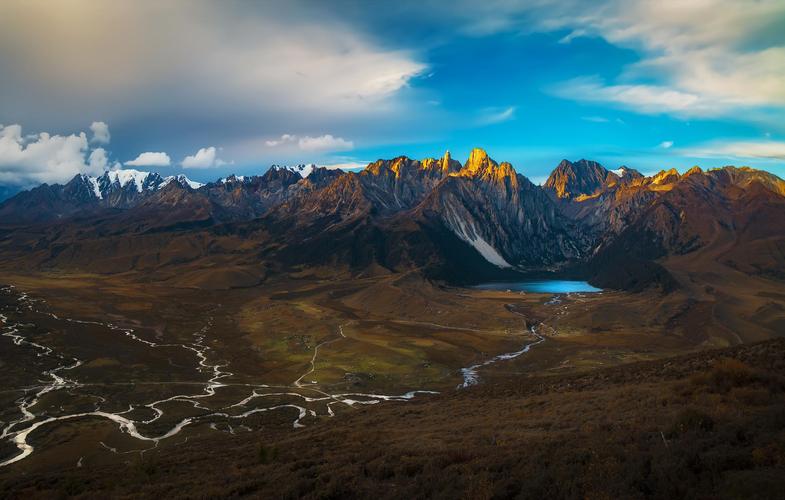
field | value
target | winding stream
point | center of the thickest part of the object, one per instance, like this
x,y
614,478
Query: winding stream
x,y
470,373
18,431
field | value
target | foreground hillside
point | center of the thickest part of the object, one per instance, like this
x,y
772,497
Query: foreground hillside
x,y
706,425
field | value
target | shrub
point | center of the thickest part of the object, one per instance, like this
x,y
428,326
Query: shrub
x,y
691,419
728,373
267,454
755,396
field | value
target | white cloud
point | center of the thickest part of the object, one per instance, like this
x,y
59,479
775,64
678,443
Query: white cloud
x,y
28,160
572,35
98,160
648,99
489,116
697,58
150,159
246,61
322,143
666,144
284,139
595,119
101,133
204,158
772,150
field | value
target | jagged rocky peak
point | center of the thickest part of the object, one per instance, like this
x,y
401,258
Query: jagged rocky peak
x,y
573,179
180,179
321,176
403,165
626,172
172,192
745,177
234,179
479,161
445,165
397,167
483,167
666,177
302,169
128,181
694,170
281,174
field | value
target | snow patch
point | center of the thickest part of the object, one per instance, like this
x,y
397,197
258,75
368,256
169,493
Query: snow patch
x,y
126,176
303,170
233,178
488,252
93,181
185,181
467,233
140,181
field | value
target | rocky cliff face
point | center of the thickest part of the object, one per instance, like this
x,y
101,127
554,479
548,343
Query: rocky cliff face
x,y
508,220
582,178
401,183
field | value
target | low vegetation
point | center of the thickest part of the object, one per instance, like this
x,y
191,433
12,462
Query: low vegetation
x,y
705,425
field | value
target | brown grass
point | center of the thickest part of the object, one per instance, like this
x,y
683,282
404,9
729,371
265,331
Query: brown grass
x,y
625,432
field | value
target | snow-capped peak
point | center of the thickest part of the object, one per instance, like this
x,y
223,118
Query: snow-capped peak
x,y
232,178
125,176
183,180
140,181
303,170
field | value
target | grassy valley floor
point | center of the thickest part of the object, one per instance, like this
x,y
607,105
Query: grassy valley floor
x,y
591,411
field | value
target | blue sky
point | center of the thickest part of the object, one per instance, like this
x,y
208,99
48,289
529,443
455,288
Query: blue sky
x,y
211,88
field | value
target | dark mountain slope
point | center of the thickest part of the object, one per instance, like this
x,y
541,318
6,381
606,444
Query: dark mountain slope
x,y
712,218
582,178
401,183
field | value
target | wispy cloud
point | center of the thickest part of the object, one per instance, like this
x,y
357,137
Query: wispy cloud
x,y
326,142
771,150
572,35
706,58
594,119
284,139
648,99
207,61
666,144
489,116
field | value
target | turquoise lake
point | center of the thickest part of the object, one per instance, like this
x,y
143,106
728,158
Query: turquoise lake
x,y
541,286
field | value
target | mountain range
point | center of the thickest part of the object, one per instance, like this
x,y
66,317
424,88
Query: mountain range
x,y
445,220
